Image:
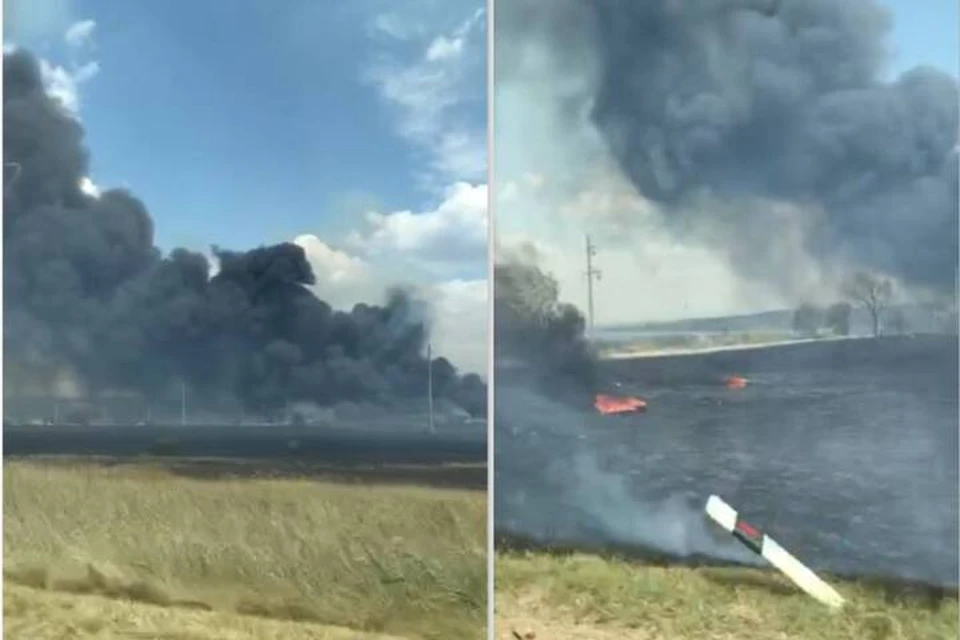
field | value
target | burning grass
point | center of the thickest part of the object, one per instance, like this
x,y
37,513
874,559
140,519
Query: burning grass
x,y
81,538
590,598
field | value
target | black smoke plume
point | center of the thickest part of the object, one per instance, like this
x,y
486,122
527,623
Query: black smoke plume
x,y
750,101
538,338
88,295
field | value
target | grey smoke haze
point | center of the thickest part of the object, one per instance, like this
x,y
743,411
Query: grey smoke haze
x,y
766,131
88,296
552,488
550,485
745,120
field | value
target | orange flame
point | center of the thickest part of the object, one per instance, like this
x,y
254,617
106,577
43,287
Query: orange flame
x,y
735,382
612,405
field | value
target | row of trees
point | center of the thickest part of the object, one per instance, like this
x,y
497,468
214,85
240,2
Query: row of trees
x,y
872,293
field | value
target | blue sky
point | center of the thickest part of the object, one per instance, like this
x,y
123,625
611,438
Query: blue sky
x,y
357,128
239,124
925,32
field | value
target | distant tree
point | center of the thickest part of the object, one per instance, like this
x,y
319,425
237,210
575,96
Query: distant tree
x,y
873,293
897,320
807,319
838,318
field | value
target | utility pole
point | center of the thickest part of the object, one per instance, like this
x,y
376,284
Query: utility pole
x,y
183,404
592,274
430,387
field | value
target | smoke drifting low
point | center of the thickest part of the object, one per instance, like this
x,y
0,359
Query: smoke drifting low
x,y
550,486
553,490
87,295
730,114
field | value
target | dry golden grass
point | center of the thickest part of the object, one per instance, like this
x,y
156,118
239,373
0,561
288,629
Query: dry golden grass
x,y
400,560
47,615
589,598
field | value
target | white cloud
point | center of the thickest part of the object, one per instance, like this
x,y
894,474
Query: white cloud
x,y
455,232
462,153
393,26
443,48
213,262
438,93
460,323
342,280
64,85
80,33
88,187
458,308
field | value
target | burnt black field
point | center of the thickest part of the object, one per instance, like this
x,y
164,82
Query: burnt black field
x,y
845,452
333,446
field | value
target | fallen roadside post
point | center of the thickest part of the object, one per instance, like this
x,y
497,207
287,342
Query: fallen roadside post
x,y
766,547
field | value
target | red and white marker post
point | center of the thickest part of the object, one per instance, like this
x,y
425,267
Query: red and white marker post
x,y
766,547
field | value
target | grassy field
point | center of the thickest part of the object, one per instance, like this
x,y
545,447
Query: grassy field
x,y
142,552
589,598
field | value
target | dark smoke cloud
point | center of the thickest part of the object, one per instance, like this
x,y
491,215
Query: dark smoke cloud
x,y
86,292
749,101
537,336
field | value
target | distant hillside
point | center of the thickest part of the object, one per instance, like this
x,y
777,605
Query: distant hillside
x,y
765,321
919,318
